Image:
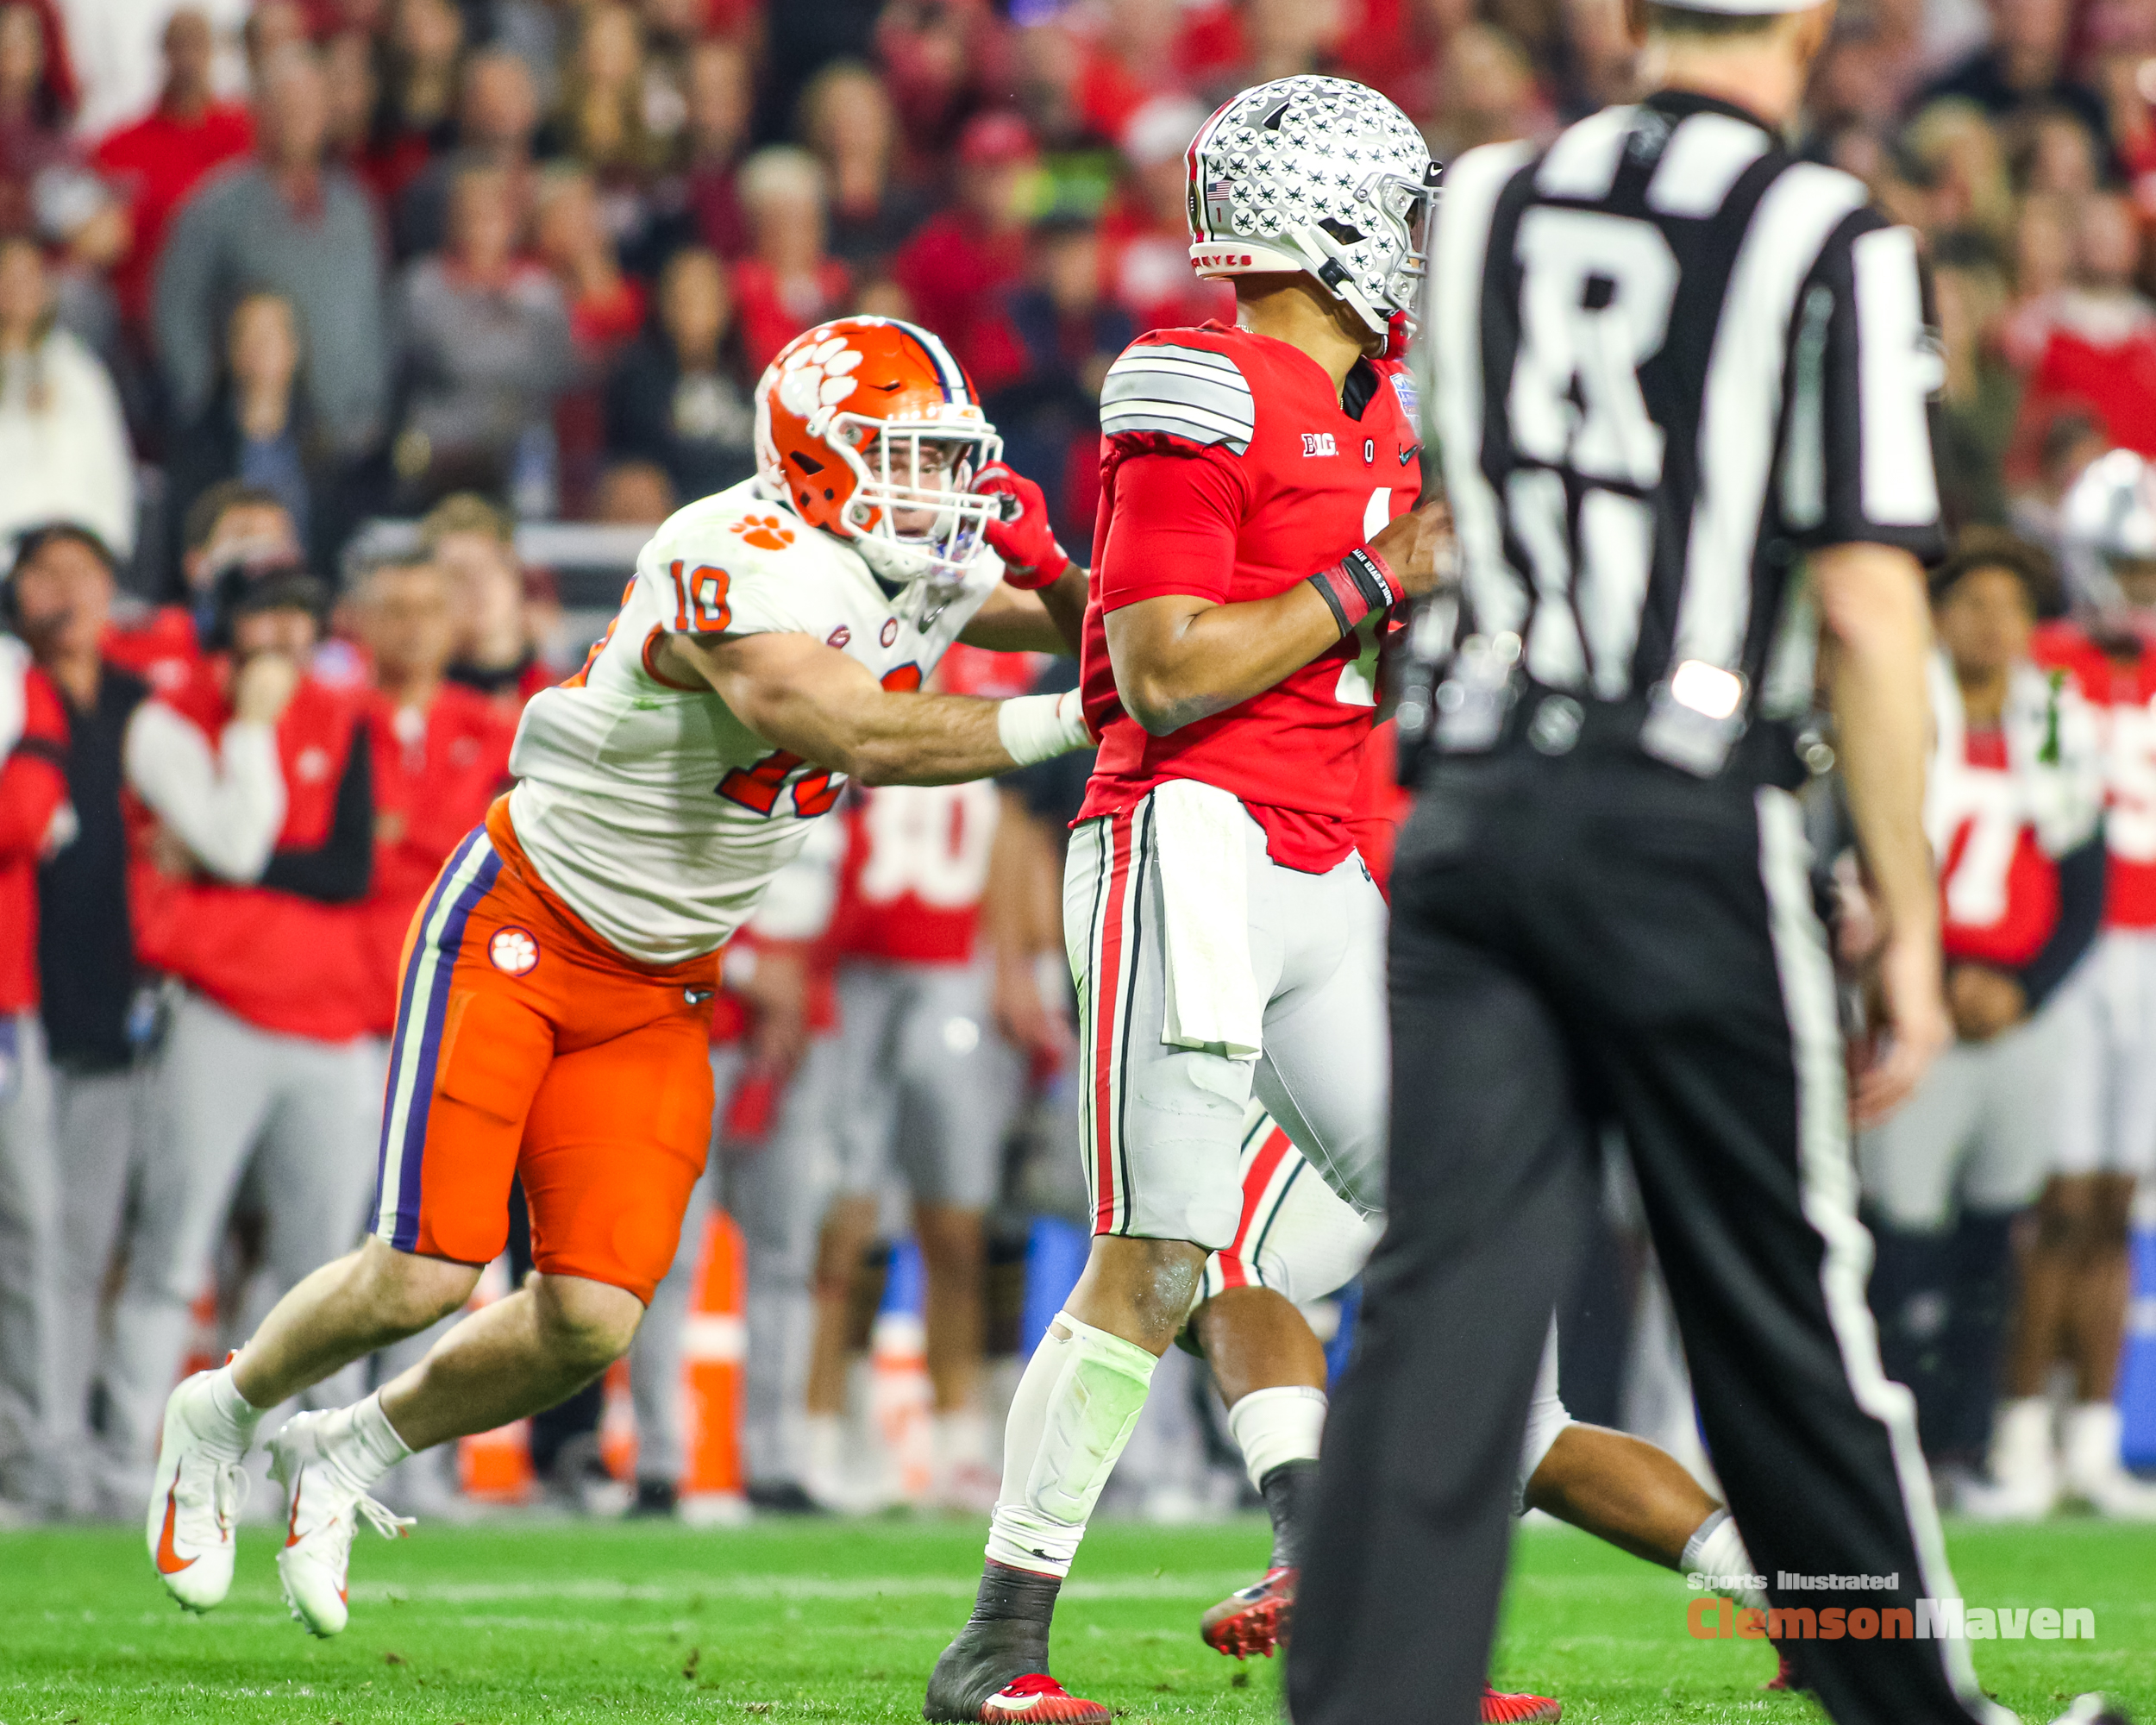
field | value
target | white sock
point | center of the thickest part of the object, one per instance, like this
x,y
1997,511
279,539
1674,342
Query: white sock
x,y
2090,1438
359,1442
1076,1405
1716,1548
961,1440
234,1408
1282,1424
823,1447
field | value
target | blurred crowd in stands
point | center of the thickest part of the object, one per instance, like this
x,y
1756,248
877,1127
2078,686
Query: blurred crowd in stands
x,y
271,272
368,252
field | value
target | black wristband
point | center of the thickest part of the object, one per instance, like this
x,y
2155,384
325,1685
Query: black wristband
x,y
1371,578
1355,586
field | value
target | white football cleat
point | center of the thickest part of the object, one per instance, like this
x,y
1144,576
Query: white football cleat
x,y
322,1511
195,1503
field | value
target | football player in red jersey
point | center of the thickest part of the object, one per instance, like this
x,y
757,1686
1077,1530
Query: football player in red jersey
x,y
2075,1280
1257,523
928,1088
2012,802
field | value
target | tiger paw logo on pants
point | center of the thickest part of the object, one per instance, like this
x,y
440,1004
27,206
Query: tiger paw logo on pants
x,y
513,952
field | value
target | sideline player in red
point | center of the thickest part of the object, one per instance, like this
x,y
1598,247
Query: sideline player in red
x,y
555,1009
2012,800
928,1088
2076,1278
1257,522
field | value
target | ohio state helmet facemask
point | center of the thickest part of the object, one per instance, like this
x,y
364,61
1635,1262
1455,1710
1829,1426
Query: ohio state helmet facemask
x,y
1320,175
2108,514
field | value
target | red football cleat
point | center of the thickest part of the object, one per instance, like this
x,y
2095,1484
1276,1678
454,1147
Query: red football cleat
x,y
1038,1696
1518,1710
1252,1621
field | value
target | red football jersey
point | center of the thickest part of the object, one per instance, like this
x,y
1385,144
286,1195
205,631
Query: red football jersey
x,y
916,855
2122,692
435,772
917,864
1230,471
1999,891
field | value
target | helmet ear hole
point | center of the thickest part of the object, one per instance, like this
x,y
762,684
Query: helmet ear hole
x,y
1344,232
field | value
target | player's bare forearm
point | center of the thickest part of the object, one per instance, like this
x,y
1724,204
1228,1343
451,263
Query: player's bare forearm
x,y
1878,630
1179,659
798,694
1050,619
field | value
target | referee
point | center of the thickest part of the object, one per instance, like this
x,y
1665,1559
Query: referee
x,y
1680,381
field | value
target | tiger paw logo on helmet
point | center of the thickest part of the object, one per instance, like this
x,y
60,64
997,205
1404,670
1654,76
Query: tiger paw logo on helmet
x,y
869,429
812,380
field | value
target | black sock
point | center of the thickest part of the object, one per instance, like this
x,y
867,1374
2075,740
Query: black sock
x,y
1910,1297
1289,1491
1009,1595
1980,1265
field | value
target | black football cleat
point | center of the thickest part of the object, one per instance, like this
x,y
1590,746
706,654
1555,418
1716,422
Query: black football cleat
x,y
998,1669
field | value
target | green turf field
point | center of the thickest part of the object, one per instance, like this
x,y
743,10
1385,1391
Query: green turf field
x,y
549,1622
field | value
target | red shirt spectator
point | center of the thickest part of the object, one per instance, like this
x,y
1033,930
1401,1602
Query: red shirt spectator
x,y
2097,338
252,904
34,810
159,159
417,118
38,98
1144,233
717,94
789,282
440,753
956,267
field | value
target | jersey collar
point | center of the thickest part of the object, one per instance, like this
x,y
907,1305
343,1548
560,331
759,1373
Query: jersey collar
x,y
1680,104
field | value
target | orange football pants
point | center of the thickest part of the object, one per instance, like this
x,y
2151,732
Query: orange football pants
x,y
526,1046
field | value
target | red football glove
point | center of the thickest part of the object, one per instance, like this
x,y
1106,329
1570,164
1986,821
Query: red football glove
x,y
1023,538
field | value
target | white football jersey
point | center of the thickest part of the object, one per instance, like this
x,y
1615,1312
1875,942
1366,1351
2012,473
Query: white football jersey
x,y
658,816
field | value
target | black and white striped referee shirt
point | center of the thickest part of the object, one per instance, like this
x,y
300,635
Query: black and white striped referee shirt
x,y
1667,358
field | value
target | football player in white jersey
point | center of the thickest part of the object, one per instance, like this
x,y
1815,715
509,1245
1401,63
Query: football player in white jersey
x,y
554,1000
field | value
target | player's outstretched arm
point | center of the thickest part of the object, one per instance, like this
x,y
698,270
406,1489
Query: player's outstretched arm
x,y
1178,658
1043,620
798,694
1879,629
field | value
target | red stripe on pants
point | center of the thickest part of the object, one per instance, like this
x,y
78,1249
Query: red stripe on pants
x,y
1107,988
1262,1168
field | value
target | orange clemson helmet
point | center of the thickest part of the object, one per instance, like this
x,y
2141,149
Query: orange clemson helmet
x,y
871,430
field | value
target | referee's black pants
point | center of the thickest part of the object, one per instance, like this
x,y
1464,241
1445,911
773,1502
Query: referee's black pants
x,y
1578,939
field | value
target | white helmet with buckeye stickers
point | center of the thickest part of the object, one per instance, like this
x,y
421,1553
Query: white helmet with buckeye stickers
x,y
870,429
2107,534
1319,175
